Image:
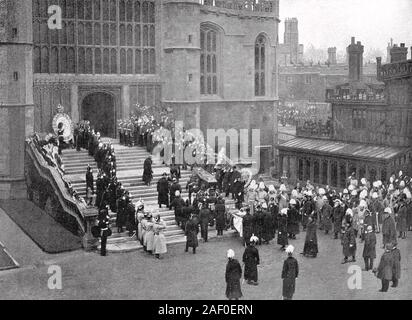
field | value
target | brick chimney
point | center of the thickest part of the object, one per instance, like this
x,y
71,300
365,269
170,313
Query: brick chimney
x,y
399,53
355,57
332,56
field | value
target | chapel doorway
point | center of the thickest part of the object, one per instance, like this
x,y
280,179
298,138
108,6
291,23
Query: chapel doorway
x,y
99,108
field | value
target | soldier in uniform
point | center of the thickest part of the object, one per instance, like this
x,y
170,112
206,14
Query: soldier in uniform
x,y
290,272
251,261
103,223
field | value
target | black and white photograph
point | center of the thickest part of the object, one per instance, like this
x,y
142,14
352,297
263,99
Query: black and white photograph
x,y
226,151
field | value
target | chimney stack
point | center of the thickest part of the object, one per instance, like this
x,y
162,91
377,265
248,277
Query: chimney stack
x,y
332,56
355,57
399,53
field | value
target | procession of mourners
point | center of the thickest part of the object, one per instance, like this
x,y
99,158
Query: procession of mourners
x,y
277,214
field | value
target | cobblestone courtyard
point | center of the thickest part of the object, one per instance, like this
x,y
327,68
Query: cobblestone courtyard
x,y
181,275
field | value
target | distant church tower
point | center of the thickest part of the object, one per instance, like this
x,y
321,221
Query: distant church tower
x,y
291,39
16,94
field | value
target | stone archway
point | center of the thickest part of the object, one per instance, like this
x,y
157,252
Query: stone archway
x,y
100,109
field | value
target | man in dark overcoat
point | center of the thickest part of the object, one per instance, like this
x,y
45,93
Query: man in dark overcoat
x,y
388,227
191,231
283,228
369,250
396,270
326,214
251,261
385,268
268,232
204,217
293,220
163,191
349,243
247,227
290,272
175,186
220,213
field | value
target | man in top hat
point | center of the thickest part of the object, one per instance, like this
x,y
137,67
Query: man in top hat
x,y
251,261
385,268
369,249
163,191
283,228
290,272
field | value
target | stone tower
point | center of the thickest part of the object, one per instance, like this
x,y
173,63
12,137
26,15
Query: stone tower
x,y
355,59
332,56
16,94
398,54
291,38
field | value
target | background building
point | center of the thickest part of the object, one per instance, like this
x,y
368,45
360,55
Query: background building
x,y
371,127
290,52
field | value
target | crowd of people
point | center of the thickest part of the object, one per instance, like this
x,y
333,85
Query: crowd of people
x,y
353,216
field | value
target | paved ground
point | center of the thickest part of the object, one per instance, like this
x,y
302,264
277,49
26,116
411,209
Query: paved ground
x,y
182,275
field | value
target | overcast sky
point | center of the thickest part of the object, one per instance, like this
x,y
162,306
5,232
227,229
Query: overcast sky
x,y
331,23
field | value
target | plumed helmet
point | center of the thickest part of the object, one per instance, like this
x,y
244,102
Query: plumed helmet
x,y
272,188
345,191
282,188
254,239
351,187
363,194
177,193
363,204
402,184
324,198
261,185
363,181
264,205
388,210
284,211
292,201
349,212
230,254
379,183
375,184
289,249
375,195
354,193
294,193
321,191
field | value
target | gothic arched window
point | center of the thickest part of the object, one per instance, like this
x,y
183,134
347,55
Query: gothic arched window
x,y
209,60
93,35
260,66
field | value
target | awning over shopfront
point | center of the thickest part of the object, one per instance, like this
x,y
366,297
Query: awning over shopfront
x,y
342,149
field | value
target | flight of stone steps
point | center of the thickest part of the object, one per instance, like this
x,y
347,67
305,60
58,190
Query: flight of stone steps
x,y
129,163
